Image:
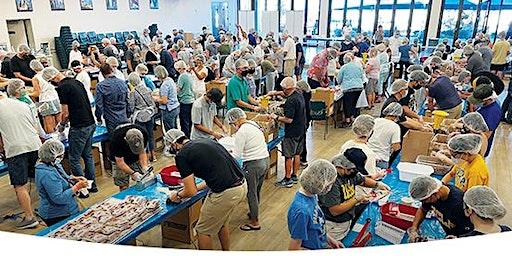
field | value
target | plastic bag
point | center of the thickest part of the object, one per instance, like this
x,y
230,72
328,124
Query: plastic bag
x,y
362,102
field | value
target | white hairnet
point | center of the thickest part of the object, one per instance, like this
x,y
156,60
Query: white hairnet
x,y
340,160
418,75
141,68
235,114
49,73
466,143
318,176
112,61
14,86
415,67
475,122
36,65
393,109
50,149
363,125
288,83
134,79
75,43
398,85
172,135
161,72
423,187
304,86
485,202
241,62
23,48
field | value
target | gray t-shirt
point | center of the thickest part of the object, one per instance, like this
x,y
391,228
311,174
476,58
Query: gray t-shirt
x,y
343,189
203,113
486,57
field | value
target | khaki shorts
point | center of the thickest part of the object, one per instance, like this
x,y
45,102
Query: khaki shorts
x,y
338,231
454,113
121,178
289,68
217,209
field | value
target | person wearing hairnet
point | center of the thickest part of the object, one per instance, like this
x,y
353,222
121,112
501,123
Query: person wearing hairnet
x,y
56,189
442,95
294,120
204,115
446,202
223,177
339,204
16,89
472,123
470,168
386,137
251,148
20,64
483,207
485,99
417,82
306,221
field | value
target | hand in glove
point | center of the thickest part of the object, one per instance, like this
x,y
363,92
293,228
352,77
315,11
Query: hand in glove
x,y
136,176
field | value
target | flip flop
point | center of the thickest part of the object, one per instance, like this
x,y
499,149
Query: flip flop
x,y
247,227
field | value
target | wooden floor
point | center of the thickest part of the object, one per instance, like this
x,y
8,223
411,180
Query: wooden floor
x,y
275,201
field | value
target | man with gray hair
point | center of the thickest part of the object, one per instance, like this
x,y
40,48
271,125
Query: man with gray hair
x,y
114,63
19,142
20,64
238,94
127,152
109,49
475,63
290,55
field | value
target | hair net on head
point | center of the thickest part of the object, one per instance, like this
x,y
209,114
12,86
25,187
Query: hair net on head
x,y
393,109
340,160
318,176
475,122
463,75
418,75
288,83
304,86
50,73
200,57
135,140
363,125
398,85
235,114
180,64
423,187
141,68
112,61
252,63
436,60
75,43
70,74
36,65
23,48
161,72
468,50
240,63
50,149
485,202
105,41
172,135
414,67
14,86
466,143
134,79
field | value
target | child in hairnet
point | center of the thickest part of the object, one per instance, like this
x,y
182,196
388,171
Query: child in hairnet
x,y
306,222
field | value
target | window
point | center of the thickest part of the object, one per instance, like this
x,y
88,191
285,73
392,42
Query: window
x,y
493,20
260,7
336,25
299,5
505,23
403,11
468,19
419,20
386,16
286,5
449,20
313,17
245,5
353,15
368,15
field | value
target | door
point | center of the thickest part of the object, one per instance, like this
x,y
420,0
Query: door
x,y
224,15
20,32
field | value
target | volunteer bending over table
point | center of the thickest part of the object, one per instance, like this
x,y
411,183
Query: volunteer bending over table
x,y
473,123
204,115
238,94
339,204
127,151
446,201
251,148
470,168
386,137
56,189
306,221
223,177
483,207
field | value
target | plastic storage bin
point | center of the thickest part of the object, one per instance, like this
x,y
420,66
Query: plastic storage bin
x,y
408,171
440,168
398,215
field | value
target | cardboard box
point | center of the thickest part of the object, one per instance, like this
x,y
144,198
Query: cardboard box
x,y
324,95
440,168
269,127
415,143
96,158
180,227
272,168
158,135
188,37
220,84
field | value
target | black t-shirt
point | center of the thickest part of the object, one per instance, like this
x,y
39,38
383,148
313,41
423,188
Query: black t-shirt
x,y
391,99
151,57
119,147
130,55
343,189
450,213
23,66
294,108
406,101
299,49
478,233
6,68
210,161
210,76
72,93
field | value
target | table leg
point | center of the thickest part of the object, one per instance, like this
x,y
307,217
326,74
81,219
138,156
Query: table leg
x,y
105,152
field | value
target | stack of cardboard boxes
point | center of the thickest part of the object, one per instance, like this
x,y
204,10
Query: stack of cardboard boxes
x,y
180,227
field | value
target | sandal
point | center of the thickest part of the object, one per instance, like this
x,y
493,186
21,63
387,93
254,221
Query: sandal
x,y
247,227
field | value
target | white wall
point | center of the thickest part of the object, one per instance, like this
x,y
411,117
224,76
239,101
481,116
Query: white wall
x,y
324,12
190,15
434,19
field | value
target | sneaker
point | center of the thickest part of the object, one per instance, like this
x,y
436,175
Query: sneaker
x,y
82,196
93,190
304,164
284,183
295,179
27,223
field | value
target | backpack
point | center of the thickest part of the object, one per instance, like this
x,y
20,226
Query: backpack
x,y
144,115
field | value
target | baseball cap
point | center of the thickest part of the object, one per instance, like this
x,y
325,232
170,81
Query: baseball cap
x,y
215,95
481,93
358,157
135,140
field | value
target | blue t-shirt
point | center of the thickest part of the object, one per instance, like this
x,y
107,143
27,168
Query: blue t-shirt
x,y
404,52
168,89
445,93
492,116
306,222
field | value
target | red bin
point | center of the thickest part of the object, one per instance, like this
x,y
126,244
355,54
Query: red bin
x,y
398,215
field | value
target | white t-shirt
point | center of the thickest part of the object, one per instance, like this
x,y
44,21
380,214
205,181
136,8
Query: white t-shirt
x,y
289,48
250,143
371,162
199,86
18,128
75,55
48,92
85,79
258,52
394,44
385,133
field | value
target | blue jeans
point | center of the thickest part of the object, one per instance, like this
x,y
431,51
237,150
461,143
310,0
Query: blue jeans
x,y
148,126
186,118
170,118
80,146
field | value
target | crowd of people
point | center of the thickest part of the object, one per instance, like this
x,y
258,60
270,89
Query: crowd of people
x,y
166,78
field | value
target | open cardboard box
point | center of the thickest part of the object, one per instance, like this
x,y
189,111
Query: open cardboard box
x,y
415,143
220,84
323,94
440,168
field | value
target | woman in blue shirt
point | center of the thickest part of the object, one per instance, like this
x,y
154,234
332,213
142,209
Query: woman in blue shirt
x,y
405,57
351,79
56,189
168,99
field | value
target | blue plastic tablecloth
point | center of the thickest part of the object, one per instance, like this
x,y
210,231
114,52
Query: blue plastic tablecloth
x,y
430,228
150,193
273,143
